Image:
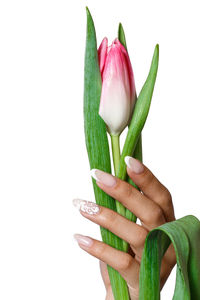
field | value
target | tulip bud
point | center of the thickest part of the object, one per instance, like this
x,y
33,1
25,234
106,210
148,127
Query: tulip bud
x,y
118,87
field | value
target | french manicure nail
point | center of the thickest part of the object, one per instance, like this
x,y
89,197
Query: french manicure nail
x,y
83,240
103,177
88,207
135,165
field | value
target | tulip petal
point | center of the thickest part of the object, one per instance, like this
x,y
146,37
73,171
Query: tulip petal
x,y
116,97
114,109
130,71
102,53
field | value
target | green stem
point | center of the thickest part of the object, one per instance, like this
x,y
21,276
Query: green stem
x,y
138,155
116,159
115,151
115,141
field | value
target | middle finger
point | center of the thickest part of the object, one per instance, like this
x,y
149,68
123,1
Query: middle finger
x,y
130,232
144,208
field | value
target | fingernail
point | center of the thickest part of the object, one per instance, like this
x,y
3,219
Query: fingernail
x,y
103,177
88,207
135,165
83,240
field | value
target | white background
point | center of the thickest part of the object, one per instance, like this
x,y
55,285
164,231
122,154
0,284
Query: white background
x,y
43,160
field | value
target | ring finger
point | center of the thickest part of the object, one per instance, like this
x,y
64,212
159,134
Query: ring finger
x,y
131,232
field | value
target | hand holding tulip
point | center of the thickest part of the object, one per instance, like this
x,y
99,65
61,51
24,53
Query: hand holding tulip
x,y
115,89
137,263
153,207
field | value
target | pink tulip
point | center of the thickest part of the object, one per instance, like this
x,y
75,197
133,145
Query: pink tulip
x,y
118,87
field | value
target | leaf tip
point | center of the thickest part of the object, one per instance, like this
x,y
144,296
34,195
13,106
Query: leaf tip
x,y
157,49
120,29
156,53
89,16
87,11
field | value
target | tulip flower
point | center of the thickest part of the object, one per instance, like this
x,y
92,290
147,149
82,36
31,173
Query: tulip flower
x,y
118,87
118,91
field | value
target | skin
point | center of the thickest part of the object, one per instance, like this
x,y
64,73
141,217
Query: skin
x,y
153,207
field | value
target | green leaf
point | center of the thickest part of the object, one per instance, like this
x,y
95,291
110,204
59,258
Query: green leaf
x,y
139,115
121,36
133,142
138,148
185,237
98,147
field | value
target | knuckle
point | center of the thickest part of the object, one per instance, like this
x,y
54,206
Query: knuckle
x,y
142,236
100,249
117,185
128,191
167,197
158,214
126,263
109,217
124,188
147,176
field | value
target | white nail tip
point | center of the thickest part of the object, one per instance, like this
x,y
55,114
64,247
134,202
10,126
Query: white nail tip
x,y
93,174
127,161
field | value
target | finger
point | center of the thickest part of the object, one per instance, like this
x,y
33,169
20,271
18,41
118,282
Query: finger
x,y
124,263
104,274
109,295
134,292
129,231
150,186
166,268
168,263
144,208
169,258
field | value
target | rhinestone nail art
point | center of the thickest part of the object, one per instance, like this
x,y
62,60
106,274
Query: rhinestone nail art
x,y
88,207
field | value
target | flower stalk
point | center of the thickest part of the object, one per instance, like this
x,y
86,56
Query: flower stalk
x,y
115,142
115,151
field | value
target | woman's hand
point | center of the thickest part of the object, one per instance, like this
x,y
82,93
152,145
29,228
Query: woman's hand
x,y
153,207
